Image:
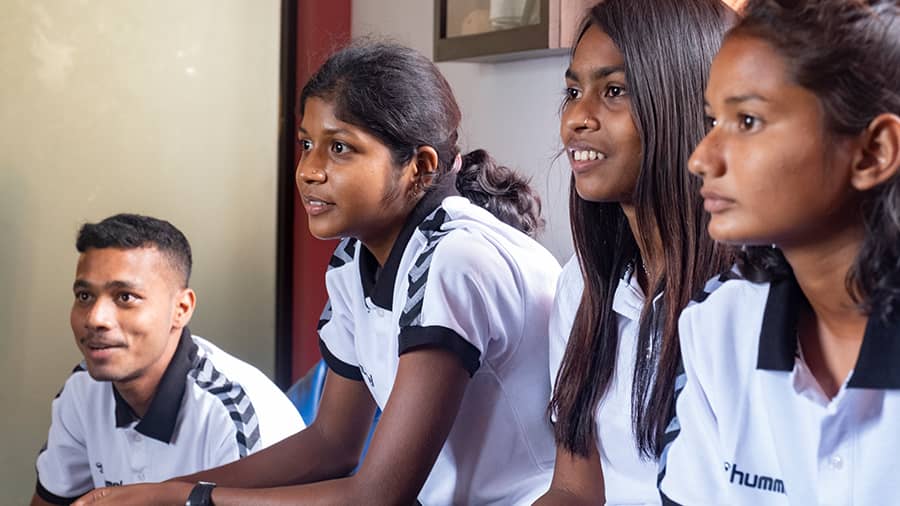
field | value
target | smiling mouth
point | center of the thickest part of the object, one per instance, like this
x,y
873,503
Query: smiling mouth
x,y
98,346
586,155
315,201
315,206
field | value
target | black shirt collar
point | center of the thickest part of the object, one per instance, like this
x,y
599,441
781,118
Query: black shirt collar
x,y
878,365
379,286
159,421
879,354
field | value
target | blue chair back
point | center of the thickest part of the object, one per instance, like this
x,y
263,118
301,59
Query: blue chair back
x,y
307,391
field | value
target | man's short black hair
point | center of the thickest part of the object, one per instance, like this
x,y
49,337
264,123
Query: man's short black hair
x,y
130,231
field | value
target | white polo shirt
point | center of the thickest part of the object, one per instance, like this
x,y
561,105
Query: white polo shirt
x,y
756,428
628,479
209,409
459,279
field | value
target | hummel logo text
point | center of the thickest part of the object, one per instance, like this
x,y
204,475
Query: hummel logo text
x,y
753,480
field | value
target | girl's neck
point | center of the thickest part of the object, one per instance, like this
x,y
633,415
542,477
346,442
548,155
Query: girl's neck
x,y
651,263
831,332
381,246
381,242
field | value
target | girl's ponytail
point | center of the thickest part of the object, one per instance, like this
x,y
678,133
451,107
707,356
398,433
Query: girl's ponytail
x,y
501,190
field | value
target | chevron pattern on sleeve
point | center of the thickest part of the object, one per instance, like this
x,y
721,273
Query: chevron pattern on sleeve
x,y
235,399
418,275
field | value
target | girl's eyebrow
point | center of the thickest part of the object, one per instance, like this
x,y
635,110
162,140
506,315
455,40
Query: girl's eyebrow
x,y
739,99
596,74
329,131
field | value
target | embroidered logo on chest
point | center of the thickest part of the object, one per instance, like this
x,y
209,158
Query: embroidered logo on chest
x,y
757,481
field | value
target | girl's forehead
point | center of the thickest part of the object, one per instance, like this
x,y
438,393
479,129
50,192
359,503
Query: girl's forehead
x,y
595,49
748,66
321,115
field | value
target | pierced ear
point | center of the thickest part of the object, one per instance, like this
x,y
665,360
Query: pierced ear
x,y
185,302
426,165
879,158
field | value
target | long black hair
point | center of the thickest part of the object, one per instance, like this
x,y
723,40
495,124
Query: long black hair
x,y
400,97
848,55
668,46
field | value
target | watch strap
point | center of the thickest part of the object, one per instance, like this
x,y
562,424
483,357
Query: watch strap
x,y
201,494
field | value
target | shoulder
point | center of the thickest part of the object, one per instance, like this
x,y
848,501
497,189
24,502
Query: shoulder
x,y
571,283
81,402
566,300
562,317
721,328
725,295
238,387
461,228
80,384
229,365
216,365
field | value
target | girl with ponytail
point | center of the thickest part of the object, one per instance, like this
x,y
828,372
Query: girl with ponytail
x,y
438,308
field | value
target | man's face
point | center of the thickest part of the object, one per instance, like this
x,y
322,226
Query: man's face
x,y
128,312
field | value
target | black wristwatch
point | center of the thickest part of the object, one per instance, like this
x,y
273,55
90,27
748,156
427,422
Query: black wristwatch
x,y
201,494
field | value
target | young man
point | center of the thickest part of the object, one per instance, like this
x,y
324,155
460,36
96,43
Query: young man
x,y
150,401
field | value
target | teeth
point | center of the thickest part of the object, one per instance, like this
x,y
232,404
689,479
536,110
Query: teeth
x,y
585,155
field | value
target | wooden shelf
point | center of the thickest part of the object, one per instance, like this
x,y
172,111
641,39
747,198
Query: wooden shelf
x,y
552,32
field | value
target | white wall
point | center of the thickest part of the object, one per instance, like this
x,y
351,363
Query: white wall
x,y
511,109
162,107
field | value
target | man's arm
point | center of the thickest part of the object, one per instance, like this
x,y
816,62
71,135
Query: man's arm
x,y
418,417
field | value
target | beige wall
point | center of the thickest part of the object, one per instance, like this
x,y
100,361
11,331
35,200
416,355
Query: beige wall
x,y
162,107
511,108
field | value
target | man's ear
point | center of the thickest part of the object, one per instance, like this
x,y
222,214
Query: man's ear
x,y
185,302
879,156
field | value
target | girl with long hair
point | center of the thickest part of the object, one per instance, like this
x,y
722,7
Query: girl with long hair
x,y
633,112
792,386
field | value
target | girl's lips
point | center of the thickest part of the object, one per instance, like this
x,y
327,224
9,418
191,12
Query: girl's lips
x,y
584,157
315,206
715,203
580,166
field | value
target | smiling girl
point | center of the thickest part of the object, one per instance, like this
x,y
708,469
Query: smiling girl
x,y
437,309
631,117
793,385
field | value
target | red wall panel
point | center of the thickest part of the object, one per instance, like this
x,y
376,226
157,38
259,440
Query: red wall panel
x,y
322,26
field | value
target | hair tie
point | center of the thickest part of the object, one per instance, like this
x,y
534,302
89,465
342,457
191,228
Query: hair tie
x,y
457,164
